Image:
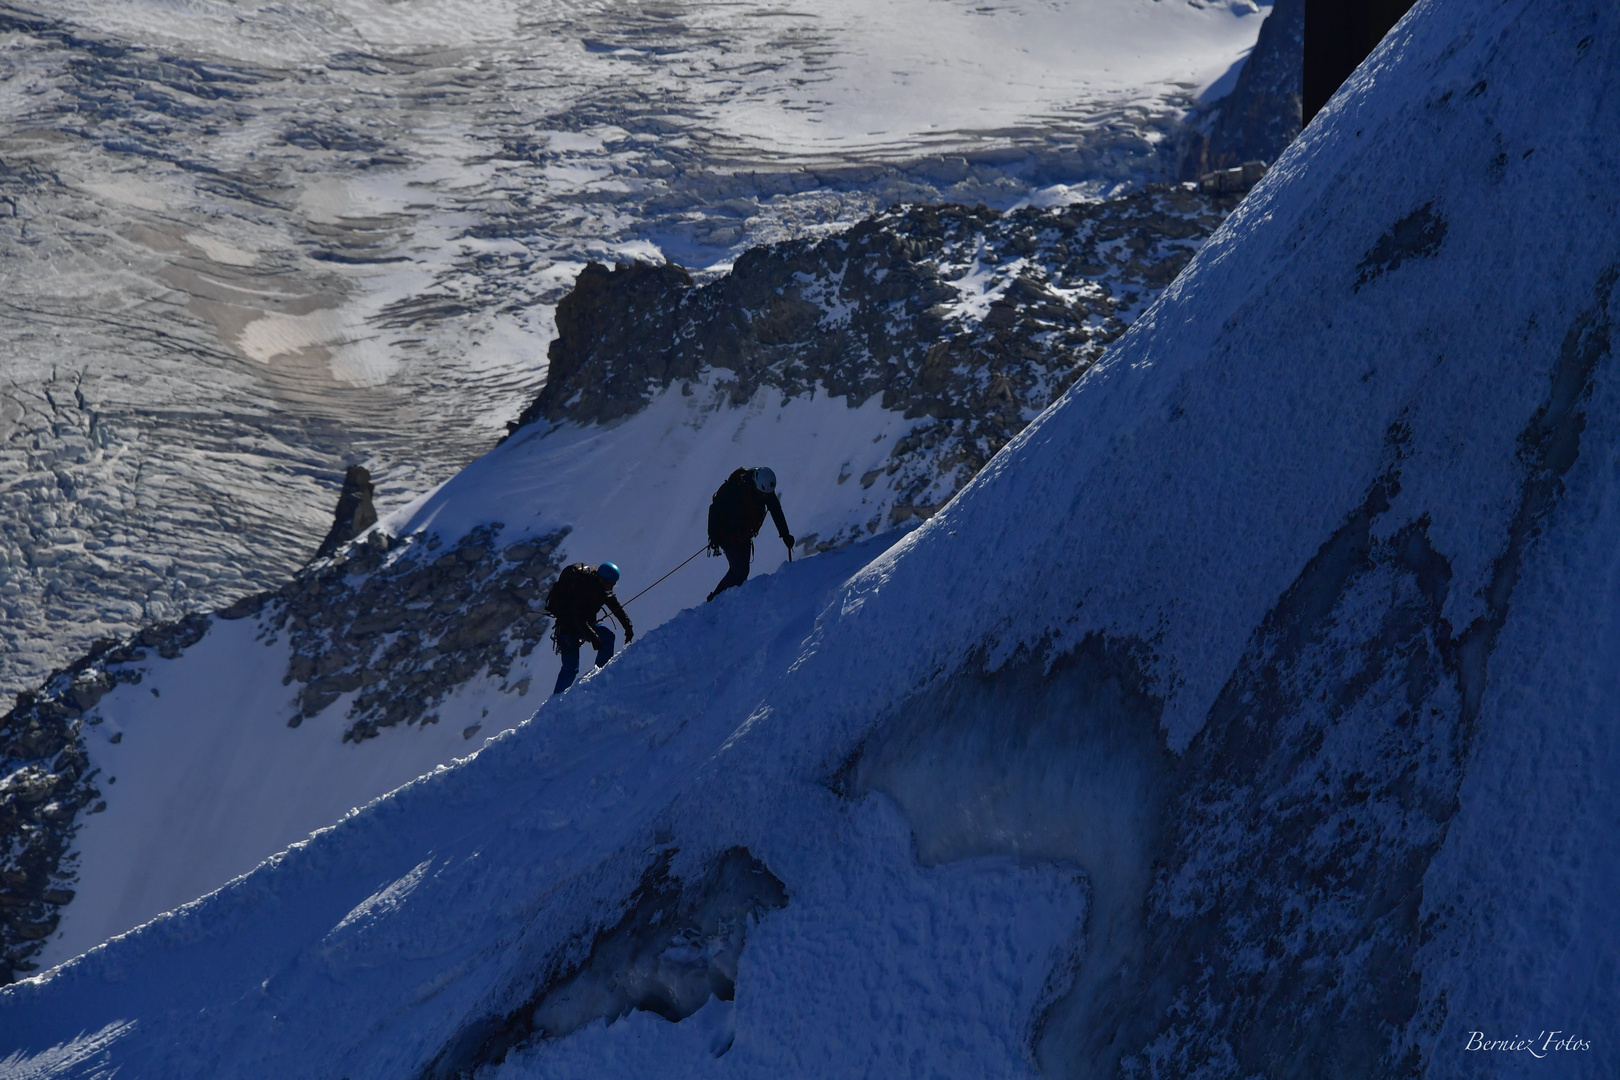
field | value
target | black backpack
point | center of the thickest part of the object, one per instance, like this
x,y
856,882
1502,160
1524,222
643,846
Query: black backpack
x,y
573,585
728,509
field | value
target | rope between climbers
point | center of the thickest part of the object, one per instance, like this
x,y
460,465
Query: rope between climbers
x,y
666,577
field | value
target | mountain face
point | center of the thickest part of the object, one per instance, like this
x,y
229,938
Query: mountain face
x,y
899,355
966,319
246,245
1263,112
356,511
1249,714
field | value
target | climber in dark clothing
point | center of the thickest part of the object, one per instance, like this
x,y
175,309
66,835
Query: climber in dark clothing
x,y
736,513
574,602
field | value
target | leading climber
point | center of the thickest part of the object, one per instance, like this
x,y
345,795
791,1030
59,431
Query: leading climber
x,y
736,513
574,602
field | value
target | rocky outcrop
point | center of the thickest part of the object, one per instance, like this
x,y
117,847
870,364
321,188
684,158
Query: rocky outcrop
x,y
401,623
36,799
355,512
600,362
1261,116
676,946
965,317
395,625
46,782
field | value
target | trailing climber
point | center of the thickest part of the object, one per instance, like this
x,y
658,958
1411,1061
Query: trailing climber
x,y
735,515
575,602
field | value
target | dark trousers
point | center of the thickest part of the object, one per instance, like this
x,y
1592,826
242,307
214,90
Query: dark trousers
x,y
739,553
568,645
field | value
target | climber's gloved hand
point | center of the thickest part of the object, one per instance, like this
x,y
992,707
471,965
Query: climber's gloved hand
x,y
788,540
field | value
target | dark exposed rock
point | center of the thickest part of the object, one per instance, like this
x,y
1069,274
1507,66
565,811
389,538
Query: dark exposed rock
x,y
1261,116
355,513
1418,235
173,638
611,314
971,318
401,622
405,625
676,946
43,784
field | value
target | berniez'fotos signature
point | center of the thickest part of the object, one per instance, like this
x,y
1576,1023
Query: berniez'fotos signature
x,y
1543,1045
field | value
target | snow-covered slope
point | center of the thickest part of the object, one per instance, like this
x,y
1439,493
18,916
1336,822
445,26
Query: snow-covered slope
x,y
1251,714
877,370
199,773
244,243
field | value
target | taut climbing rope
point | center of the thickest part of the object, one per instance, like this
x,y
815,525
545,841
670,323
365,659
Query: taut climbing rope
x,y
666,577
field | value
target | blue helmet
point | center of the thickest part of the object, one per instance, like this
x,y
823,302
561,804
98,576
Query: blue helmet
x,y
608,573
764,480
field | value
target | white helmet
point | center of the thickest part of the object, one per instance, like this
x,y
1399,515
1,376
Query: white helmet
x,y
764,480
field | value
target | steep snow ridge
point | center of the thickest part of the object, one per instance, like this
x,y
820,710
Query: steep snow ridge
x,y
1325,535
388,631
209,779
1010,924
206,778
637,492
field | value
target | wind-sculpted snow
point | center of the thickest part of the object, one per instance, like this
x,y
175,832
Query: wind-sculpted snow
x,y
246,244
1250,714
675,950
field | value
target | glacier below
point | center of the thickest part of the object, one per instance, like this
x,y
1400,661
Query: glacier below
x,y
244,244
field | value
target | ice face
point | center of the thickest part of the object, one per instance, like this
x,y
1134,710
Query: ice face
x,y
1062,763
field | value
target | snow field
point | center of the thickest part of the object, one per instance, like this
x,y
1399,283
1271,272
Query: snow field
x,y
211,781
636,492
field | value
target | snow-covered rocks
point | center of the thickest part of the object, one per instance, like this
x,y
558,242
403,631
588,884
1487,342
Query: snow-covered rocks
x,y
1261,114
966,321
